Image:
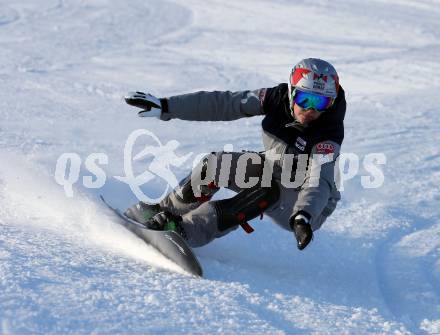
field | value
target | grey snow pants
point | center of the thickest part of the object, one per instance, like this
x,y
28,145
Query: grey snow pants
x,y
200,219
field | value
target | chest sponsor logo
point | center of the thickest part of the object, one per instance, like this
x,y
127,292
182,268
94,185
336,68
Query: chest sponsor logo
x,y
300,144
325,148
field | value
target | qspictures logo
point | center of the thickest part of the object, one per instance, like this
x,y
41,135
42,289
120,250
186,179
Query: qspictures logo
x,y
162,158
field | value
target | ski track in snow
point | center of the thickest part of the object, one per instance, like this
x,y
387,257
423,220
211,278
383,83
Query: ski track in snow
x,y
67,267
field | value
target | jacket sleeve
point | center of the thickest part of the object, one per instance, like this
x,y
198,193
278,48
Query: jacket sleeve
x,y
213,106
318,194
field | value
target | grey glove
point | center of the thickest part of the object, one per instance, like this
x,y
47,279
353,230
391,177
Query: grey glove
x,y
151,106
300,225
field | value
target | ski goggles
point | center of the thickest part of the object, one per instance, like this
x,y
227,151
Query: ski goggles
x,y
307,100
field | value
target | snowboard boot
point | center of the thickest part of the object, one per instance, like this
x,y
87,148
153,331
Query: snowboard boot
x,y
142,212
166,221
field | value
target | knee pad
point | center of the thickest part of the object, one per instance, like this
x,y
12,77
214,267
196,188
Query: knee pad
x,y
245,206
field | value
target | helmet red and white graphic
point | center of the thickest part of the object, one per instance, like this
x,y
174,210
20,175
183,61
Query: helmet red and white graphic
x,y
316,76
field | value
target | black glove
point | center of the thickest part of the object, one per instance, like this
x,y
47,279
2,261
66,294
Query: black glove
x,y
302,229
149,103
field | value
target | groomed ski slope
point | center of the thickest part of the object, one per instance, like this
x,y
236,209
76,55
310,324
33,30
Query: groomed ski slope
x,y
67,267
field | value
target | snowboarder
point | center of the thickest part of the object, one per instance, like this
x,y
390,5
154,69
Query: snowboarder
x,y
304,116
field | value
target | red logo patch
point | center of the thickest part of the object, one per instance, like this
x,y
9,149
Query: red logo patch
x,y
320,76
325,148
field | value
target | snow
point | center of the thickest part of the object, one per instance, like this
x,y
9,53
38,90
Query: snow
x,y
67,267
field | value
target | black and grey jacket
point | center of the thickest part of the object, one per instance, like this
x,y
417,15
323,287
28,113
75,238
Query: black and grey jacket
x,y
281,134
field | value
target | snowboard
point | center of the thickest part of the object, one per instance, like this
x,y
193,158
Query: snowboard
x,y
168,243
